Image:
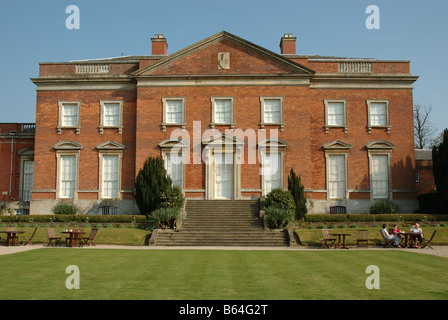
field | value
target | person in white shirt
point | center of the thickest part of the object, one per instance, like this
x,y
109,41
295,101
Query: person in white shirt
x,y
395,237
417,234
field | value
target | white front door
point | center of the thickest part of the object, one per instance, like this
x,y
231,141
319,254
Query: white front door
x,y
224,176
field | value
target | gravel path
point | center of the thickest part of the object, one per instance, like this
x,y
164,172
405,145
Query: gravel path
x,y
441,251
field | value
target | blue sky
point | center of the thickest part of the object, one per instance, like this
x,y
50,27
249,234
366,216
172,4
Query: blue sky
x,y
35,31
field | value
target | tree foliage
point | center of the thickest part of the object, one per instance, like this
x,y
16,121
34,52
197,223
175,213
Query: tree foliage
x,y
298,193
440,167
152,181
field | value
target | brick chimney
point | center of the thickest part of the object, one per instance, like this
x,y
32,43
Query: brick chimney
x,y
159,45
288,44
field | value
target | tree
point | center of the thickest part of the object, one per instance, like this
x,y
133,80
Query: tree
x,y
298,192
440,168
423,129
152,181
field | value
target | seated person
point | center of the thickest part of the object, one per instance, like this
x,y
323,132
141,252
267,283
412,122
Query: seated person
x,y
417,234
396,230
395,237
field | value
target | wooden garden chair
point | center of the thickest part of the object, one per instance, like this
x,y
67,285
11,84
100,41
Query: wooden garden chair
x,y
52,236
325,240
389,243
91,238
426,242
28,240
363,238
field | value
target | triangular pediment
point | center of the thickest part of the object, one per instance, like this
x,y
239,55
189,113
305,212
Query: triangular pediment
x,y
337,144
222,139
170,143
110,145
224,54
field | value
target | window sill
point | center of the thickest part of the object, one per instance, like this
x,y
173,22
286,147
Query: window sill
x,y
119,128
281,124
328,127
387,127
164,125
76,128
215,124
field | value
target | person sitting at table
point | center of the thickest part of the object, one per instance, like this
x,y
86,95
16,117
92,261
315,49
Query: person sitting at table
x,y
396,230
395,237
417,234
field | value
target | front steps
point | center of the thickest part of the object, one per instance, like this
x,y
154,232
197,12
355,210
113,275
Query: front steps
x,y
222,223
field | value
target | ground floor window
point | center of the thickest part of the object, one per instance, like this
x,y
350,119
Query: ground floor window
x,y
68,176
336,177
380,176
272,171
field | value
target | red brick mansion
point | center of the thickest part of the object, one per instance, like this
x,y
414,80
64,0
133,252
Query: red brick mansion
x,y
230,119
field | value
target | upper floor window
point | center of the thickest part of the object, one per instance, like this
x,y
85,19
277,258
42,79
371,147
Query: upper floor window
x,y
111,115
173,112
69,115
223,111
272,111
378,114
335,114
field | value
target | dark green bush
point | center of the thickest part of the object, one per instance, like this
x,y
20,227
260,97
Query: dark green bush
x,y
278,218
172,198
297,190
280,198
383,207
64,208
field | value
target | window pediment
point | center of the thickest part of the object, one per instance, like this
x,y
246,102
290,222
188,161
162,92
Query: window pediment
x,y
110,145
337,145
380,144
222,139
68,145
273,143
171,143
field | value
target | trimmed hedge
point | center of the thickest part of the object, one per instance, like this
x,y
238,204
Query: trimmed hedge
x,y
374,217
74,218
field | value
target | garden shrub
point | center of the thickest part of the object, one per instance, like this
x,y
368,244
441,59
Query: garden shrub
x,y
278,218
280,198
64,208
383,207
163,218
297,190
172,198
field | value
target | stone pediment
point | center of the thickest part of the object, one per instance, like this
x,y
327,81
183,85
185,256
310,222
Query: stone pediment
x,y
222,139
68,145
273,143
380,144
110,145
170,143
223,55
336,145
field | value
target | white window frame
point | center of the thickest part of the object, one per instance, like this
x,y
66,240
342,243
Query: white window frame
x,y
231,123
61,125
67,148
341,148
282,121
344,124
167,146
372,155
380,147
164,120
103,126
387,125
113,153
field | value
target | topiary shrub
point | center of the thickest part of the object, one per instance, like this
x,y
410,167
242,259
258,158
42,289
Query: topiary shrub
x,y
64,208
383,207
278,218
172,198
298,193
151,182
280,198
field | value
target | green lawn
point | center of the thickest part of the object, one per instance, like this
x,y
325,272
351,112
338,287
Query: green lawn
x,y
221,274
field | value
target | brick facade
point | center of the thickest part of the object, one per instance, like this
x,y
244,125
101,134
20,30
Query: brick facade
x,y
227,67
